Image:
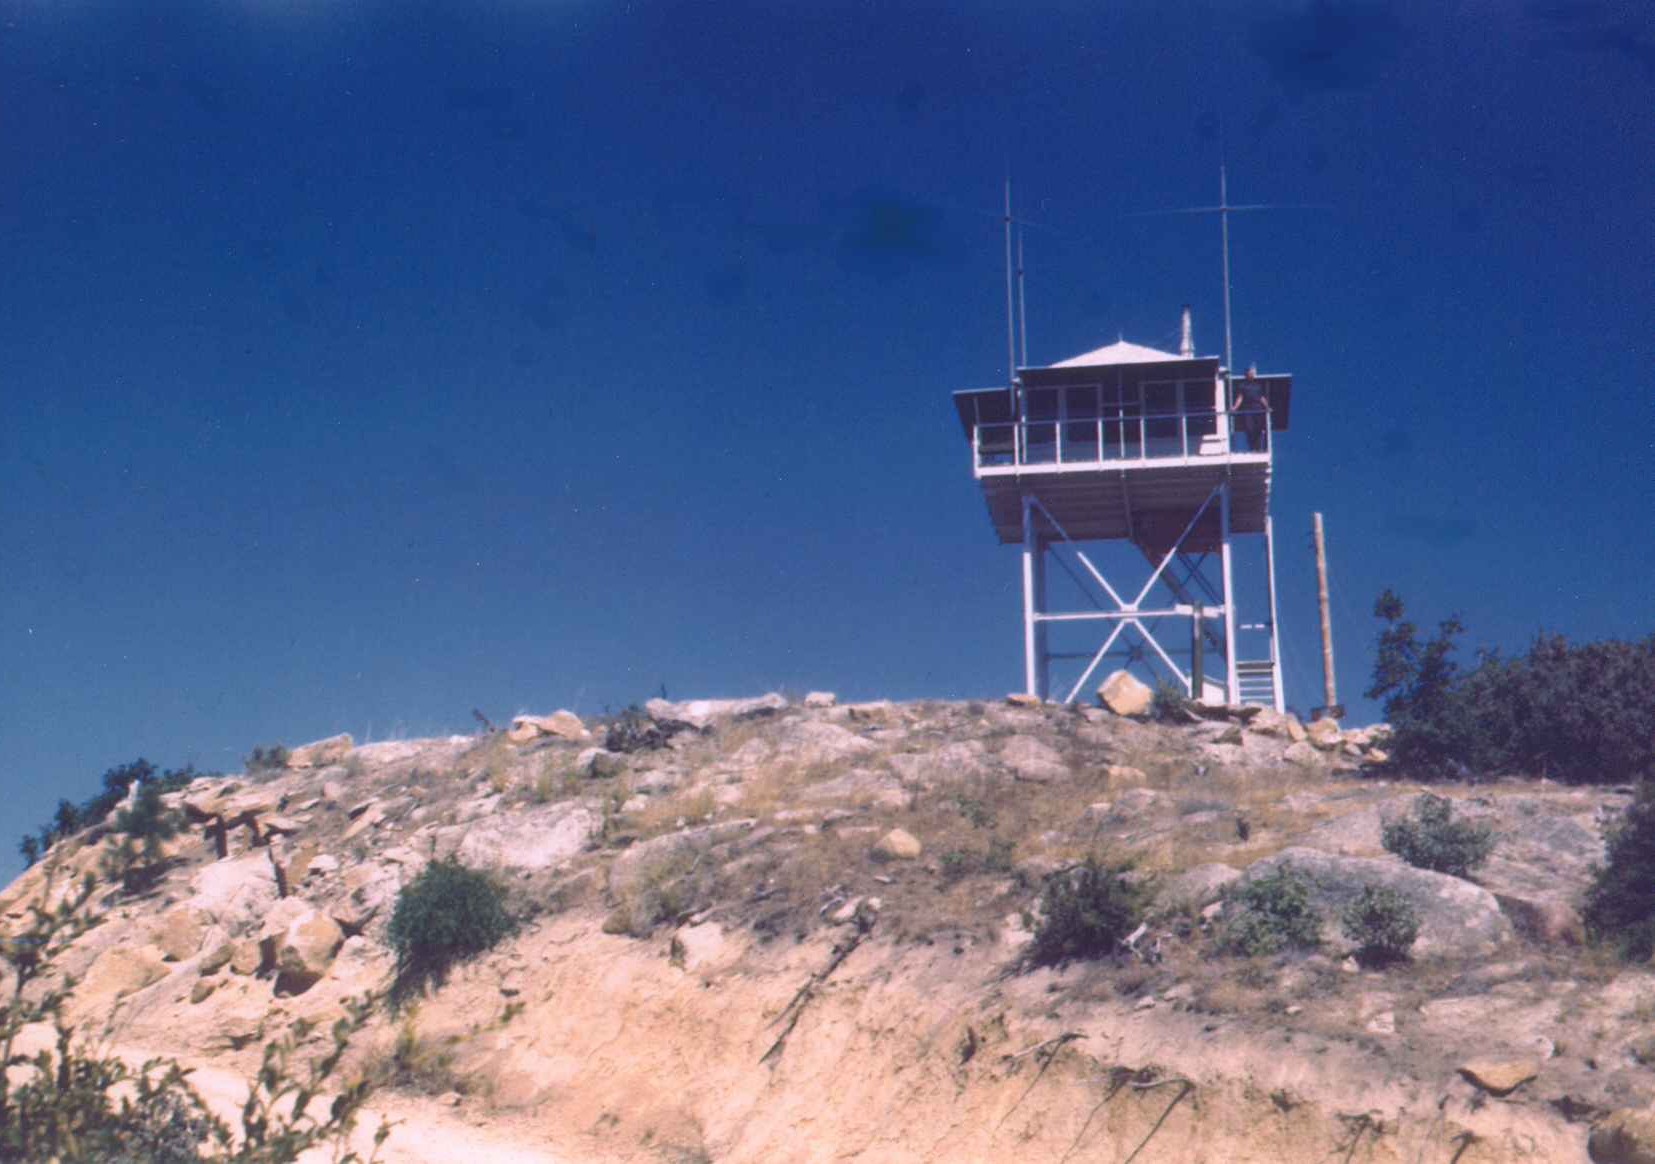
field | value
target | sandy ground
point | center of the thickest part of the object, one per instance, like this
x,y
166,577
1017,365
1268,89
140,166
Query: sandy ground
x,y
420,1133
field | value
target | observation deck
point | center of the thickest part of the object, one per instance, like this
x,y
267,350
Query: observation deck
x,y
1126,442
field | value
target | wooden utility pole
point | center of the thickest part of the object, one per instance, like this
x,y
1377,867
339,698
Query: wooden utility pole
x,y
1330,693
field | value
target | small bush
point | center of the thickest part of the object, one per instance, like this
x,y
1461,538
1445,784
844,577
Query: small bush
x,y
958,864
978,814
1170,704
70,1102
139,858
447,914
1620,904
1273,913
1085,912
667,887
1383,924
267,759
416,1064
1432,839
634,731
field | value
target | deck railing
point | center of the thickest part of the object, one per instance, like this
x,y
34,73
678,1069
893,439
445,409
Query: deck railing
x,y
1104,440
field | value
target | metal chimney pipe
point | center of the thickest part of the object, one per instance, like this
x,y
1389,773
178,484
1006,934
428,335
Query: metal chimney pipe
x,y
1186,336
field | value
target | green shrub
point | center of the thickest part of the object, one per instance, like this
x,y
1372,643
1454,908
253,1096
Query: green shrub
x,y
1580,714
978,814
1620,903
138,859
71,818
958,864
634,731
1170,704
1432,839
1272,913
1085,912
268,759
447,914
1382,923
70,1103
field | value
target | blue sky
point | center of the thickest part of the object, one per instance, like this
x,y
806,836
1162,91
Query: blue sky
x,y
365,363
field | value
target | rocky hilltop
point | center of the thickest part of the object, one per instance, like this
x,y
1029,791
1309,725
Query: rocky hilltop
x,y
773,930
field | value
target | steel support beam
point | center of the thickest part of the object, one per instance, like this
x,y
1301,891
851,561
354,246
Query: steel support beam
x,y
1232,678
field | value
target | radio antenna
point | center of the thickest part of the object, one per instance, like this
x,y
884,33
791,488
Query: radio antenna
x,y
1022,303
1011,315
1224,209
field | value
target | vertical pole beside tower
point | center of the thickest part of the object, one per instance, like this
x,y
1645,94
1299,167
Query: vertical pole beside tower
x,y
1330,692
1232,677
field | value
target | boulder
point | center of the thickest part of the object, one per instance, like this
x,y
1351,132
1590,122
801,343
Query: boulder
x,y
369,889
599,764
898,845
1457,918
1624,1136
701,714
370,817
178,934
1122,776
246,957
821,699
1270,722
813,742
114,974
952,763
235,891
1324,734
1023,699
563,725
861,787
538,839
218,953
1033,761
1125,694
645,860
1197,887
1137,802
322,753
305,950
1500,1076
1301,752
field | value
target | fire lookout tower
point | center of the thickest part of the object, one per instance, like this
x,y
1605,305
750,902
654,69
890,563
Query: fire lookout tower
x,y
1153,457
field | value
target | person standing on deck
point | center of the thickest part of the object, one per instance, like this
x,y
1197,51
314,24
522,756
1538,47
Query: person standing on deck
x,y
1251,409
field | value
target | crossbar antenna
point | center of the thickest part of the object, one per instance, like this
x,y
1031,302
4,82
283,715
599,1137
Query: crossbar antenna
x,y
1011,315
1022,302
1224,209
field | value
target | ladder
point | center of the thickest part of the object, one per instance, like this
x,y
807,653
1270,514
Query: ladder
x,y
1256,681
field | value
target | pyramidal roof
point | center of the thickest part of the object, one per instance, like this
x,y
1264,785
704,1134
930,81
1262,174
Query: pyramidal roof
x,y
1119,352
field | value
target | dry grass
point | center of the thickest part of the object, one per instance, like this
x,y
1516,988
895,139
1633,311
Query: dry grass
x,y
415,1063
664,814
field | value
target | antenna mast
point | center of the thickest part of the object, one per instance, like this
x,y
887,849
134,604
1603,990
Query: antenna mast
x,y
1224,227
1011,314
1022,304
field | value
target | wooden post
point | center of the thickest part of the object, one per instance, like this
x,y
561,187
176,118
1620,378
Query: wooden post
x,y
1330,693
1198,656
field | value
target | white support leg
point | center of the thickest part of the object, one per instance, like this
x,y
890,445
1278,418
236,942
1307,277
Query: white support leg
x,y
1034,587
1275,631
1232,677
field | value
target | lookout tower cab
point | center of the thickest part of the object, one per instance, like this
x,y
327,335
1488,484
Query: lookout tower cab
x,y
1143,476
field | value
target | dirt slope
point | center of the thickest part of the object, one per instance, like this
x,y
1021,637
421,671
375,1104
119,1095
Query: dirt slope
x,y
726,955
